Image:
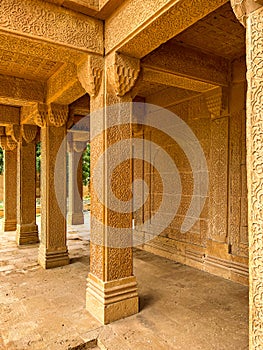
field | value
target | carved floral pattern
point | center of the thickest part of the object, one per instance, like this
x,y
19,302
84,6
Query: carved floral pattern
x,y
255,174
90,74
123,73
58,114
29,132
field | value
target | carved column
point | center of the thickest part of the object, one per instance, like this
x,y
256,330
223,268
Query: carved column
x,y
27,230
75,187
53,250
10,179
251,14
112,288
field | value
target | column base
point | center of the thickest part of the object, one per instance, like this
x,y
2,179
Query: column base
x,y
112,301
27,234
51,259
9,225
75,218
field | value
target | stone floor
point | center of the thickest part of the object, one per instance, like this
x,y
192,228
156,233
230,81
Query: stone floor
x,y
181,308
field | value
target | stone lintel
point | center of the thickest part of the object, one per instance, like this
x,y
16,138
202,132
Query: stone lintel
x,y
20,91
146,28
183,61
66,27
154,75
64,87
9,115
113,300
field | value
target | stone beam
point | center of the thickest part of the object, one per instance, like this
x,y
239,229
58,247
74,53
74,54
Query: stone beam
x,y
171,96
9,115
20,91
64,87
145,25
41,20
153,75
46,50
177,59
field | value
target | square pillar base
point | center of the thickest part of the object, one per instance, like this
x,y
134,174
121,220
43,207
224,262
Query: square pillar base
x,y
75,218
27,234
113,300
49,260
9,225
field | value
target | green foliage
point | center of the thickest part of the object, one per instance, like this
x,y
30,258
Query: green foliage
x,y
1,161
86,166
38,157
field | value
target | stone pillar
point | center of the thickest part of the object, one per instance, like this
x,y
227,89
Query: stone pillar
x,y
250,14
75,187
10,188
112,289
53,250
27,230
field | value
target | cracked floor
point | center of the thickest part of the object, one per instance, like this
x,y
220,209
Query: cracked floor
x,y
180,307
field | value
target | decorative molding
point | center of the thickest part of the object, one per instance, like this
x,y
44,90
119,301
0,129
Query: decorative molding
x,y
254,134
3,143
39,19
11,144
14,132
214,102
90,74
29,132
7,143
123,72
242,8
58,114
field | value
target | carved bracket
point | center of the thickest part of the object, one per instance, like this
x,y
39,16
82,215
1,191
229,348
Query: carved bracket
x,y
58,114
37,113
242,8
216,101
123,73
29,132
14,132
90,74
7,143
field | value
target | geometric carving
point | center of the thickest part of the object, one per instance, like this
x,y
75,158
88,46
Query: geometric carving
x,y
11,144
214,102
217,102
39,114
123,73
58,114
13,131
90,74
55,24
29,132
242,8
3,143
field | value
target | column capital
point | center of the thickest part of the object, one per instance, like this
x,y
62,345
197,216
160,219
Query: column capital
x,y
29,132
42,114
58,114
242,8
90,74
122,72
13,131
7,143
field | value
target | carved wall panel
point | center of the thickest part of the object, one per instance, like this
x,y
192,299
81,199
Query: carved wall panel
x,y
47,21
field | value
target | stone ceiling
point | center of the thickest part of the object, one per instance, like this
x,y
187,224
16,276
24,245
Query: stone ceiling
x,y
219,33
27,66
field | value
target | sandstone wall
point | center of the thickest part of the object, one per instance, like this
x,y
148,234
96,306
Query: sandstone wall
x,y
218,242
